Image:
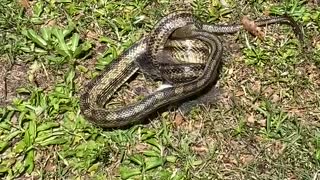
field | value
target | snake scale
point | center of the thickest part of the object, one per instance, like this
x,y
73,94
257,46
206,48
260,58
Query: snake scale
x,y
100,89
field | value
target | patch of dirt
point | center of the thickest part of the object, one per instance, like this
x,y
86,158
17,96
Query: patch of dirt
x,y
12,78
43,77
3,74
18,75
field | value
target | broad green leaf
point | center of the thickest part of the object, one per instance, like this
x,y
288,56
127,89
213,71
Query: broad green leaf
x,y
36,38
4,169
318,154
46,33
23,90
171,159
47,125
26,49
74,41
37,20
5,125
82,48
21,117
32,130
126,172
27,138
70,77
3,145
164,174
106,60
138,159
9,115
62,48
25,33
82,68
148,134
153,162
94,167
18,167
152,153
29,161
154,142
37,8
68,30
108,40
53,141
12,135
39,50
63,1
64,53
45,135
178,176
115,28
197,163
86,46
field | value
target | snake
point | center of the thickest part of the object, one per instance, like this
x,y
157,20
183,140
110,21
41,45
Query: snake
x,y
146,51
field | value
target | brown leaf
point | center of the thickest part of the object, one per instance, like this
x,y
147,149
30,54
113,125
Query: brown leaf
x,y
50,166
51,22
141,147
26,5
92,35
239,93
316,2
178,120
251,119
200,149
256,86
246,158
250,26
266,12
263,123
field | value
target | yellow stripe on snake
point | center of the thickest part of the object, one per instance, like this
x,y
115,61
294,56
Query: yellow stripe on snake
x,y
169,32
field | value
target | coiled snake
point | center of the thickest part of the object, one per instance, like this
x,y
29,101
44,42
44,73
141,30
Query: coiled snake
x,y
99,90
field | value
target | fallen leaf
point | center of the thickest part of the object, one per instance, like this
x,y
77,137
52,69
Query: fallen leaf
x,y
230,71
263,123
92,35
256,86
26,5
239,93
246,159
251,27
251,119
200,149
50,166
51,22
178,120
141,147
198,125
266,12
275,97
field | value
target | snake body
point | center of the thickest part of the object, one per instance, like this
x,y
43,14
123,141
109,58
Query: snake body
x,y
99,90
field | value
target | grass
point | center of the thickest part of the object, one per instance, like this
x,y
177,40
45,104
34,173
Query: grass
x,y
265,124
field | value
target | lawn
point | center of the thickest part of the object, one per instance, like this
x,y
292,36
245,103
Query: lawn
x,y
264,124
